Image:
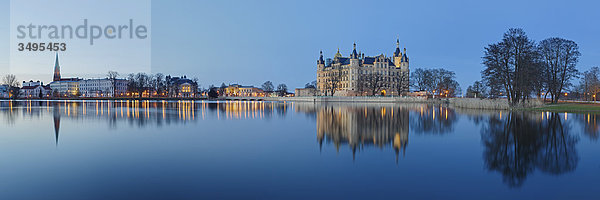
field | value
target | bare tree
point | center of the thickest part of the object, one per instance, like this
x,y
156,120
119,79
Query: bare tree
x,y
373,82
112,77
591,83
361,84
402,83
445,83
195,86
158,83
282,89
419,77
138,83
335,79
477,90
513,63
312,84
431,79
10,80
268,86
560,57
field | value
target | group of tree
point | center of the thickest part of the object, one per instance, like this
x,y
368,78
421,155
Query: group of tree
x,y
281,89
436,81
589,85
12,85
268,87
153,84
477,90
519,67
370,83
312,84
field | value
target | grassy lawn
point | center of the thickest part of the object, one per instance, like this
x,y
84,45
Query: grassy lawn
x,y
570,107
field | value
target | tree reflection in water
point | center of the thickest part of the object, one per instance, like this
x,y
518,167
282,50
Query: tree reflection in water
x,y
521,142
515,143
433,119
591,124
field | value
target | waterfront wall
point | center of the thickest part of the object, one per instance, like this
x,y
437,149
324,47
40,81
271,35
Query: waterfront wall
x,y
351,99
493,104
468,103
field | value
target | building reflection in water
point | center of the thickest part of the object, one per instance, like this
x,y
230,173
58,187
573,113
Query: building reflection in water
x,y
56,119
519,143
139,113
515,144
357,126
361,126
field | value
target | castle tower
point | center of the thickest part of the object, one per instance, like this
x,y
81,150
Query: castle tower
x,y
320,72
404,61
405,73
397,54
354,55
56,69
320,62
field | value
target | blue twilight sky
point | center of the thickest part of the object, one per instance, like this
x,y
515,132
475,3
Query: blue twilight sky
x,y
249,42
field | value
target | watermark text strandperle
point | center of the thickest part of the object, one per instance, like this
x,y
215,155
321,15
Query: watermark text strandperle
x,y
83,31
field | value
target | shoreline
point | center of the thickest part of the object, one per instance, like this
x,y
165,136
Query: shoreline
x,y
462,103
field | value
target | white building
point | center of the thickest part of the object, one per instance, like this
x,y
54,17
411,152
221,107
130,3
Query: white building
x,y
37,91
32,84
102,87
65,87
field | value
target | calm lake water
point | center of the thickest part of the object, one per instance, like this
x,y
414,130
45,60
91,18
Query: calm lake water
x,y
276,150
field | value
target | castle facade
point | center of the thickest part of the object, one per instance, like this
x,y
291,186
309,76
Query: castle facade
x,y
360,75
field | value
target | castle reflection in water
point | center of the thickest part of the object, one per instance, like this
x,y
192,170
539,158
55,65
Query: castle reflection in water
x,y
515,144
363,126
355,125
370,125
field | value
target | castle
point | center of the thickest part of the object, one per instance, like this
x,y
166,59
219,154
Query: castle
x,y
358,75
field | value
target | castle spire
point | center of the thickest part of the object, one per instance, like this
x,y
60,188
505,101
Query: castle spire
x,y
354,54
320,61
397,52
338,54
56,69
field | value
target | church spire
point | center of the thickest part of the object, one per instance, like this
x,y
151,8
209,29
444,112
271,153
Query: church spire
x,y
56,69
